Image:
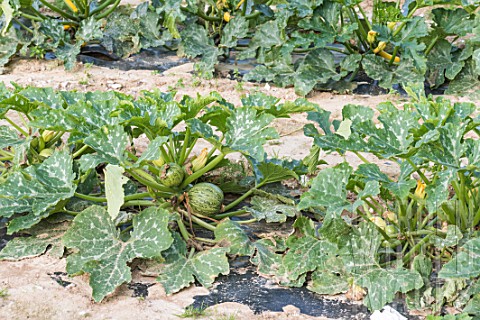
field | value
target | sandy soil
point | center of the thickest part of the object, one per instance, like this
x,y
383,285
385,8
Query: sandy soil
x,y
33,294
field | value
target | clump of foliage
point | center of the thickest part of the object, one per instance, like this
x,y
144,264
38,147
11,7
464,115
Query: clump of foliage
x,y
72,177
74,155
292,43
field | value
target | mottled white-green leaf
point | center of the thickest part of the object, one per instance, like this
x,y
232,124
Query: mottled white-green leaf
x,y
377,68
330,278
269,172
266,259
89,29
383,284
205,266
8,137
328,190
318,66
39,187
47,96
453,237
248,132
230,234
7,50
473,306
42,236
271,210
361,250
101,253
114,181
153,150
110,143
23,222
7,12
306,254
437,192
466,264
68,54
236,28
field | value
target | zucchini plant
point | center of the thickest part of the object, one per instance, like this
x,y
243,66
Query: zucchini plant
x,y
72,155
422,218
305,44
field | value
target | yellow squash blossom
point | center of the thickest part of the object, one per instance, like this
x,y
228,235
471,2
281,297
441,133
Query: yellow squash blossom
x,y
420,191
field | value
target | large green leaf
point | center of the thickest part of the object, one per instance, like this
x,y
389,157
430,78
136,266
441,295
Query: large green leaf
x,y
318,66
271,210
236,28
328,191
383,284
248,132
42,236
330,278
361,259
266,259
230,234
8,137
39,187
205,266
101,253
153,150
466,264
8,46
306,254
377,68
196,42
109,143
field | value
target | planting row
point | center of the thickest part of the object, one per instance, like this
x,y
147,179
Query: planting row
x,y
74,181
290,42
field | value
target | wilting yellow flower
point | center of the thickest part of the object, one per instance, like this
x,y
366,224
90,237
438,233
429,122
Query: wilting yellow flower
x,y
372,36
420,191
379,222
47,135
380,47
200,161
390,216
226,16
46,153
391,25
159,162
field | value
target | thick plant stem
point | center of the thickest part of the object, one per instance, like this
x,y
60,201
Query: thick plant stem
x,y
420,173
24,27
246,221
182,157
361,157
80,151
58,10
394,55
244,196
5,153
202,223
100,8
139,203
109,11
29,16
229,214
148,181
135,196
183,230
364,17
19,129
407,257
211,165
